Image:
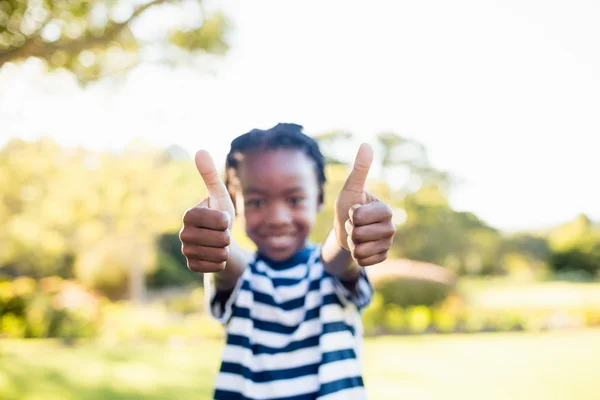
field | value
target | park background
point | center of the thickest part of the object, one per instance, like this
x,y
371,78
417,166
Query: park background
x,y
484,118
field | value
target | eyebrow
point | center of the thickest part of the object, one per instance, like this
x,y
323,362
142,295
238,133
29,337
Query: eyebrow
x,y
252,190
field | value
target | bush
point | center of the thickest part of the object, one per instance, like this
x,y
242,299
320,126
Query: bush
x,y
418,318
444,320
575,261
453,316
126,322
407,292
394,319
48,308
373,315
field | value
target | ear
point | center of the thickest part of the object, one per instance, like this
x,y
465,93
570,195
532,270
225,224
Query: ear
x,y
232,192
320,200
233,200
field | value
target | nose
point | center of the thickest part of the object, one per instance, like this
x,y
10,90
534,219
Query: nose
x,y
279,214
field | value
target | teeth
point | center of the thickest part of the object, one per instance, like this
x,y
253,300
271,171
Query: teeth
x,y
279,240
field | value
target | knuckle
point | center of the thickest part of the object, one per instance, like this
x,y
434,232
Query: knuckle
x,y
363,262
348,225
186,217
360,251
195,265
184,236
226,238
222,254
358,216
185,250
223,222
204,266
217,267
216,219
192,216
357,235
387,211
382,257
384,245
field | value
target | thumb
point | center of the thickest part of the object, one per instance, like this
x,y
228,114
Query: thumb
x,y
362,164
210,176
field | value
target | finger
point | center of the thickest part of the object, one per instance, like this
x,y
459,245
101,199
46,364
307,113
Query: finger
x,y
373,232
348,226
372,260
205,237
205,203
370,213
362,163
368,249
210,176
205,266
351,244
206,218
204,253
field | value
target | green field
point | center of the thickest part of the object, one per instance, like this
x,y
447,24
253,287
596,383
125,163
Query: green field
x,y
548,366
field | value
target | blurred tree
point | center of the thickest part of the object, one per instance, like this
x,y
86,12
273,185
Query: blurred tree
x,y
333,145
94,39
525,255
171,266
32,239
89,214
533,246
435,233
575,248
406,167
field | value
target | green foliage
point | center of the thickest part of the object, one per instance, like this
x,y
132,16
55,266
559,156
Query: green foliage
x,y
576,249
171,267
434,232
95,39
127,322
568,262
100,216
394,319
91,215
47,308
405,292
373,315
418,318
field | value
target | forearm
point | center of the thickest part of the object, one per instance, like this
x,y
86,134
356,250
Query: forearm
x,y
234,268
338,261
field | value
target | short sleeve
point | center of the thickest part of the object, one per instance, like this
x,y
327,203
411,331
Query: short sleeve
x,y
362,294
220,304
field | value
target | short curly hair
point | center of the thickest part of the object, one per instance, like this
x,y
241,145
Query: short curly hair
x,y
281,136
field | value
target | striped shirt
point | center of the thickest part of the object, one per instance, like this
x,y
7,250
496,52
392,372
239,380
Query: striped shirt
x,y
294,331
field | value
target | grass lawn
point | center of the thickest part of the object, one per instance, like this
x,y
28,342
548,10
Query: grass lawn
x,y
548,366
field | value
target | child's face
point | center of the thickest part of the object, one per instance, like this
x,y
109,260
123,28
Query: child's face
x,y
280,193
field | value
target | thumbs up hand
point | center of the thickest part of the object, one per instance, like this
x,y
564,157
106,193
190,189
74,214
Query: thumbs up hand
x,y
362,223
205,236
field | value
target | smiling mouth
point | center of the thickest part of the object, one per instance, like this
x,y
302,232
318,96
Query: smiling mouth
x,y
280,241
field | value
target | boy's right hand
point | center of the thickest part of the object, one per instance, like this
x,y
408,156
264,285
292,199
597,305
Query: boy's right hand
x,y
206,232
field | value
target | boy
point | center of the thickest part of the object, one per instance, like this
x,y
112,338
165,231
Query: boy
x,y
292,310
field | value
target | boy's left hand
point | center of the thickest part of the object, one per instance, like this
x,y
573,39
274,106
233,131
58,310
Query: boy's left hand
x,y
362,223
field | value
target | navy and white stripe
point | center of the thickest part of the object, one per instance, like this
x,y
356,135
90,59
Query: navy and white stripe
x,y
293,332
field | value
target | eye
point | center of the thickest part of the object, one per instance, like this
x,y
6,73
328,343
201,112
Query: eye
x,y
296,201
254,203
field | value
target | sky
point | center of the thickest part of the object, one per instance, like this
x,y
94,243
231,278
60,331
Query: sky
x,y
504,94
